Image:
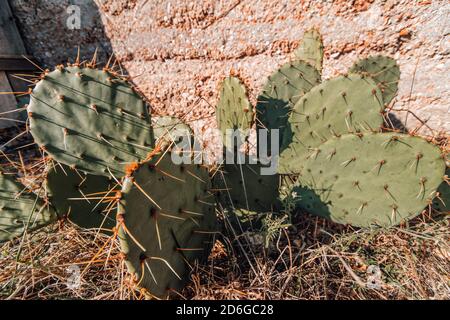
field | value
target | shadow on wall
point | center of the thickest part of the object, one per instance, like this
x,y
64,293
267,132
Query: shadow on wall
x,y
52,32
54,29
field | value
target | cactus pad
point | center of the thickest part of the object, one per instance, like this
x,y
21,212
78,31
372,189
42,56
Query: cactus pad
x,y
280,93
19,208
311,49
168,130
371,179
234,110
89,119
345,104
166,221
384,71
82,198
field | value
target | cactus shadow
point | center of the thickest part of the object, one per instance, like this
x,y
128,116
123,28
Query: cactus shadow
x,y
391,121
441,203
56,32
311,201
278,119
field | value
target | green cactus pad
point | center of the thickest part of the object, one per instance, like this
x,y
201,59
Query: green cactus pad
x,y
168,130
311,49
233,110
345,104
384,71
280,93
89,119
166,221
16,205
242,187
371,179
82,198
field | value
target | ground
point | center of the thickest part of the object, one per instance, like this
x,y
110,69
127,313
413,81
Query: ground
x,y
314,259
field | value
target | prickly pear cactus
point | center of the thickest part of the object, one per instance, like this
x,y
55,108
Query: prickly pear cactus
x,y
169,130
384,71
311,49
243,187
341,105
166,221
234,110
20,209
90,120
371,179
84,199
280,93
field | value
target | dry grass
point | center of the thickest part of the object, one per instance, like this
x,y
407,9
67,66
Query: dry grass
x,y
315,259
43,268
321,260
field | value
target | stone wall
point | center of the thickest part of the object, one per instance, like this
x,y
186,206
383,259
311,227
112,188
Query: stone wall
x,y
176,51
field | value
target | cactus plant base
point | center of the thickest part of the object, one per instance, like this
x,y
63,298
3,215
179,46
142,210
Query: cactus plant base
x,y
243,187
242,220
